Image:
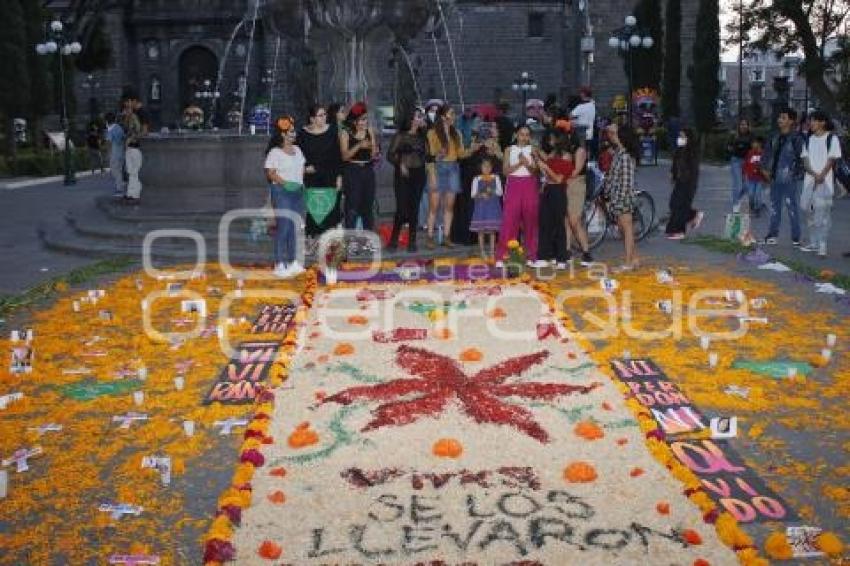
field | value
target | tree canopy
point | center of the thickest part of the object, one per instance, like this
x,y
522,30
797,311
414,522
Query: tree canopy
x,y
704,74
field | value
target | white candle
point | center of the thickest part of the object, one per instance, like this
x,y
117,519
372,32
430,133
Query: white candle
x,y
189,428
792,372
4,484
29,335
16,336
704,342
826,354
76,306
179,382
139,398
142,372
712,359
831,339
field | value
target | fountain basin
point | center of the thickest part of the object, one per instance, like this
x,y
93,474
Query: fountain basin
x,y
203,172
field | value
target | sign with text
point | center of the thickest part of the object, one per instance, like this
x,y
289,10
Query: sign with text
x,y
274,319
671,409
244,374
730,482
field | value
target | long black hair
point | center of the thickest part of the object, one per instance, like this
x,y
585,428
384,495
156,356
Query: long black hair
x,y
686,159
275,141
314,109
629,139
441,131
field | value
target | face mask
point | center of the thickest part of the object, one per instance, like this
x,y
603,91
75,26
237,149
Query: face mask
x,y
432,116
681,142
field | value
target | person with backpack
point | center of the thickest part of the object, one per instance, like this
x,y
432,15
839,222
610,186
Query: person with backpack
x,y
783,168
820,152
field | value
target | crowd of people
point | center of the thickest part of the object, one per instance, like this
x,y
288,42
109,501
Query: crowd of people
x,y
798,171
494,182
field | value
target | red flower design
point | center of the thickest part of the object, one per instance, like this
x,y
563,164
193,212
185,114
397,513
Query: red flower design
x,y
441,380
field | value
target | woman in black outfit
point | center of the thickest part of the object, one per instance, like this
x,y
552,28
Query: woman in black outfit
x,y
408,152
685,175
320,144
359,145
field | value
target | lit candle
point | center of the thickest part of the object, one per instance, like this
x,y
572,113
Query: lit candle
x,y
189,428
138,398
704,342
792,372
179,382
712,359
142,372
831,339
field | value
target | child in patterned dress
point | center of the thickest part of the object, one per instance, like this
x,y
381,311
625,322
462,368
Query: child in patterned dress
x,y
487,214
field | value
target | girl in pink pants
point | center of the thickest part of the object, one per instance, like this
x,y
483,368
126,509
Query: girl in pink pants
x,y
521,197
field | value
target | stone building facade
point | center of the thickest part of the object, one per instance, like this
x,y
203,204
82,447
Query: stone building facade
x,y
166,49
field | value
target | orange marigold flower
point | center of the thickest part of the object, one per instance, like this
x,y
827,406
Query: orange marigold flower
x,y
278,472
343,349
471,355
580,472
447,448
829,543
278,498
776,546
663,508
690,536
303,436
636,472
588,430
270,550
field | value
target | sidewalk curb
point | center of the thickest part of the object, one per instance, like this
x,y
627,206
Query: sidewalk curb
x,y
42,181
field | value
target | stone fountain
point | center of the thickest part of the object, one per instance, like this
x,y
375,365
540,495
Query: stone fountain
x,y
217,171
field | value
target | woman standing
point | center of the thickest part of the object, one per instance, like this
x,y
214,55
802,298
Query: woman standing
x,y
446,147
737,149
320,144
685,174
619,187
285,173
576,195
408,152
521,197
359,145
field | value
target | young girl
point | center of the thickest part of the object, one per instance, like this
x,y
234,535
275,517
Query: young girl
x,y
685,175
754,178
285,166
487,214
521,198
619,187
558,169
133,160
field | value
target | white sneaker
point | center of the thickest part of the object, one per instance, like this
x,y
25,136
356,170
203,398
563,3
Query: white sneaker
x,y
808,248
281,270
560,266
822,250
295,269
539,264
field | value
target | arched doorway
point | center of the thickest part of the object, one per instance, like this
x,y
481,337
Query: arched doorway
x,y
197,64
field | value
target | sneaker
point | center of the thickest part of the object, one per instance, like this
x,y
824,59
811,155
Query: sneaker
x,y
675,236
561,266
281,270
822,250
808,248
539,264
295,269
769,241
500,264
586,259
796,243
698,219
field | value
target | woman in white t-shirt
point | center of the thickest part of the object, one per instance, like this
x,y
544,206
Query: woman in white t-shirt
x,y
820,152
285,166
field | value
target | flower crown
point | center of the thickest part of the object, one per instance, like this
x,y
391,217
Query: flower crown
x,y
285,123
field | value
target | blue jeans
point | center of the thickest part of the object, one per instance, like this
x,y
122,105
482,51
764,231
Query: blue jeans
x,y
754,190
788,193
736,168
285,236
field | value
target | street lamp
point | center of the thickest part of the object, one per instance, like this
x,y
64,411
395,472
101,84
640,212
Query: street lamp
x,y
268,82
210,95
629,39
524,84
91,83
59,42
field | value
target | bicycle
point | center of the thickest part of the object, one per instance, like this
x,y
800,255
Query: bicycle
x,y
599,222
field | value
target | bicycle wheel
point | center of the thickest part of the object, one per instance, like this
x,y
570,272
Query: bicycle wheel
x,y
643,217
595,223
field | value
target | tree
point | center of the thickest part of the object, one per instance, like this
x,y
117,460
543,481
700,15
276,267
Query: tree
x,y
705,81
40,100
97,51
14,74
672,59
647,63
790,26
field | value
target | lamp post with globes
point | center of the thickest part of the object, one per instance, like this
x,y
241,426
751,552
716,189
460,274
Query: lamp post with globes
x,y
524,84
628,39
61,44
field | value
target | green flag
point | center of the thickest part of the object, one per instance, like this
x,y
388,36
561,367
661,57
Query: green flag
x,y
320,202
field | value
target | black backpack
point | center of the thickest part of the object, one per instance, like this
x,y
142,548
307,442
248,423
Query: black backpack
x,y
841,169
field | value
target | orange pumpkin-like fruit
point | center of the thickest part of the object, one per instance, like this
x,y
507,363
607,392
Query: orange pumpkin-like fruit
x,y
471,355
447,448
270,550
343,349
580,472
303,436
588,430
